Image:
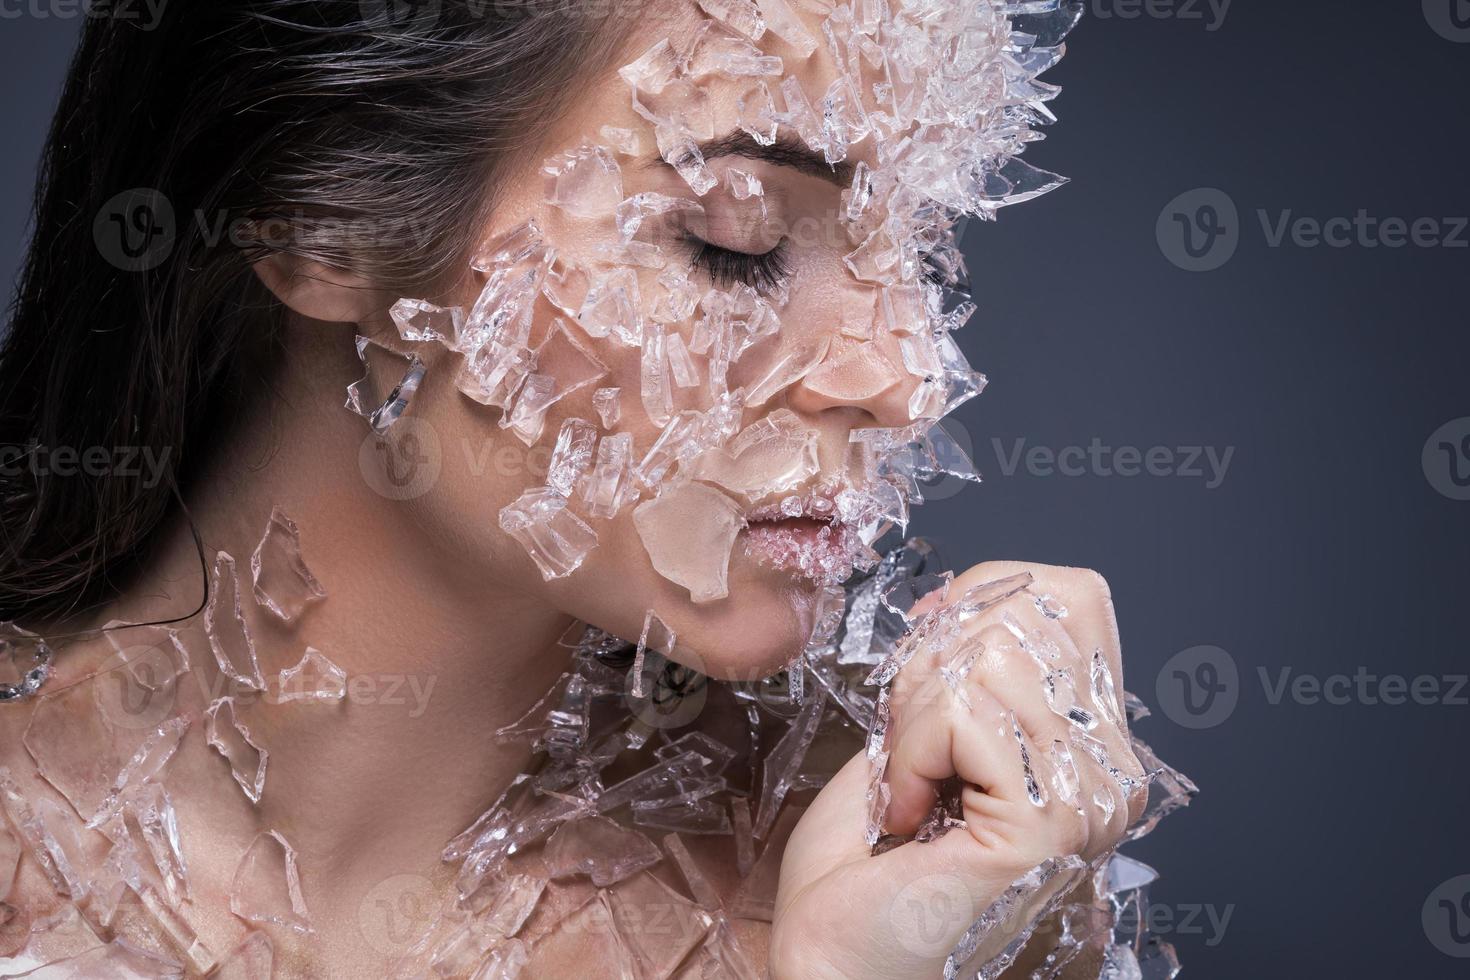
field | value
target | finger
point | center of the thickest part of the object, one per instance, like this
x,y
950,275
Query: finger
x,y
970,737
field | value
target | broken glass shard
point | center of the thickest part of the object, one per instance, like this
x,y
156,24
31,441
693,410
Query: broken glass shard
x,y
232,740
555,538
390,381
267,887
688,532
283,583
314,678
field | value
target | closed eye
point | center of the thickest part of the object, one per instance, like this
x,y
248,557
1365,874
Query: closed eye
x,y
726,267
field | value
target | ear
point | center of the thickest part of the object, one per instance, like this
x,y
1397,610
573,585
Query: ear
x,y
319,291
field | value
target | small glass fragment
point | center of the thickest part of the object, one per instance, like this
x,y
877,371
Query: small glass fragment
x,y
389,383
232,740
585,182
555,538
600,848
572,457
267,886
283,584
224,622
742,15
609,410
314,678
419,321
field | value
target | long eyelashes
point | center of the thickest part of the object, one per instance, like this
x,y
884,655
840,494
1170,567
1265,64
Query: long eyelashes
x,y
726,267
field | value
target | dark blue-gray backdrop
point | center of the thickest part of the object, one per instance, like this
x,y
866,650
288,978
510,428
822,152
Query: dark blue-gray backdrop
x,y
1251,297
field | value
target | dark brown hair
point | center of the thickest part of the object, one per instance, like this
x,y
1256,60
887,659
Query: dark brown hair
x,y
363,133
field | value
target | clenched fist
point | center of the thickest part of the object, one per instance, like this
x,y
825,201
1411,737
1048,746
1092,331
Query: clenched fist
x,y
1011,693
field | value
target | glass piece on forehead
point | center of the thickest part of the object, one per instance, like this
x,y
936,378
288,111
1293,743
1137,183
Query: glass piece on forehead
x,y
493,374
677,299
232,740
875,260
800,115
859,373
390,381
654,69
585,182
607,405
625,142
679,151
681,365
756,111
613,307
146,763
224,622
588,935
600,848
742,15
420,321
283,584
792,365
512,248
566,286
573,455
603,493
253,959
654,380
632,211
688,532
857,199
682,108
837,134
557,540
786,24
719,52
314,678
267,885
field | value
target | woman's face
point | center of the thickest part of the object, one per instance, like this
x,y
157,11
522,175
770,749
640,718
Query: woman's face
x,y
710,364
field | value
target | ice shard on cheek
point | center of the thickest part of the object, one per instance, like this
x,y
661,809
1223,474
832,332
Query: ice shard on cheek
x,y
688,532
609,411
557,540
571,458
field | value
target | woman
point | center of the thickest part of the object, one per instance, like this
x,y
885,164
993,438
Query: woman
x,y
642,316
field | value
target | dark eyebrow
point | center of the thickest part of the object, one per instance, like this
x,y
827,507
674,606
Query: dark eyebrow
x,y
787,151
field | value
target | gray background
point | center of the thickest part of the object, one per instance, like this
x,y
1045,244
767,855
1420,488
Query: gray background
x,y
1323,830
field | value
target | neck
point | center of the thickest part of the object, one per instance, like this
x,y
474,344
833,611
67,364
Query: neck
x,y
375,784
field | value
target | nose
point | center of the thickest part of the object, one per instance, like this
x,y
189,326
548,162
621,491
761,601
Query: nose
x,y
858,374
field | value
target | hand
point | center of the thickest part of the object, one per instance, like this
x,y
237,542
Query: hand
x,y
842,912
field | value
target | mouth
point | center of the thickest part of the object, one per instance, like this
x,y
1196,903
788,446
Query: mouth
x,y
802,535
